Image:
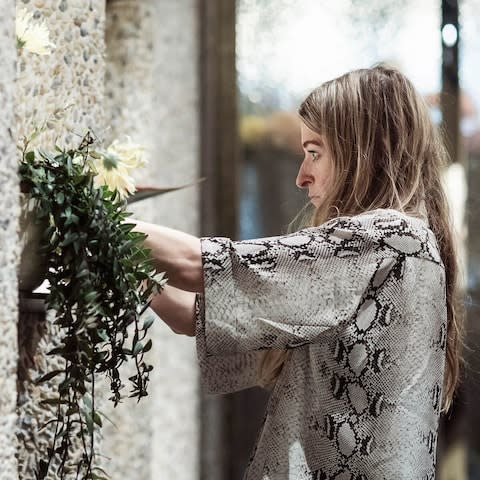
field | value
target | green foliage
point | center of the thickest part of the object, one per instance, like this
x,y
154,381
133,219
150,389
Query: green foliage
x,y
100,279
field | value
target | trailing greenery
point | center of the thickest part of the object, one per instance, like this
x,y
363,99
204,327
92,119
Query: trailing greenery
x,y
101,278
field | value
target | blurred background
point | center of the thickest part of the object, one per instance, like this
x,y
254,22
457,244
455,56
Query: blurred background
x,y
282,49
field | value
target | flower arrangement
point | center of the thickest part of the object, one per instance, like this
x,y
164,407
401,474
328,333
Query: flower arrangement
x,y
100,277
100,280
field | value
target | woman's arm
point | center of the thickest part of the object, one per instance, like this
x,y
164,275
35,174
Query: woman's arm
x,y
176,253
177,309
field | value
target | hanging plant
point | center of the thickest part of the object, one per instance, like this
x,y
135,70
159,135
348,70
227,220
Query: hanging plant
x,y
100,279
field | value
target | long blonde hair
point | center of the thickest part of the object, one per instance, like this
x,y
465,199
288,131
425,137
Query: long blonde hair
x,y
387,154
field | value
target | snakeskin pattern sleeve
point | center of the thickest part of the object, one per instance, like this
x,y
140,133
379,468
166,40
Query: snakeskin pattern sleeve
x,y
287,291
226,373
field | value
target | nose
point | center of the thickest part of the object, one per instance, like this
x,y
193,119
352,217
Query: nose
x,y
304,179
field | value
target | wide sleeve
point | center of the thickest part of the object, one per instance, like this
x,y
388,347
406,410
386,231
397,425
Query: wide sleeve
x,y
226,373
282,292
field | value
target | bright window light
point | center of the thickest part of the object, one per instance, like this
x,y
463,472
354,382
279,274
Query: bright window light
x,y
449,35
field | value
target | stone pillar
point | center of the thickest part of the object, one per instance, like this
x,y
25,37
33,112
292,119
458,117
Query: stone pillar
x,y
152,96
72,75
9,207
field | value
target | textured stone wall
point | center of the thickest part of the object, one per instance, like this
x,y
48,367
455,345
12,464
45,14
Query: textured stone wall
x,y
9,209
152,95
73,75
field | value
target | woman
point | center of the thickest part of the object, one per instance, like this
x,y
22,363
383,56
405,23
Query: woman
x,y
354,320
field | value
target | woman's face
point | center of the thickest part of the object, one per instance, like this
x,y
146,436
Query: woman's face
x,y
317,167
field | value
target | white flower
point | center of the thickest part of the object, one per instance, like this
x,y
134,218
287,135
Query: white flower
x,y
114,166
32,35
115,178
131,154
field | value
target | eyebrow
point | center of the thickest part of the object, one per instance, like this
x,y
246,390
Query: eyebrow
x,y
315,142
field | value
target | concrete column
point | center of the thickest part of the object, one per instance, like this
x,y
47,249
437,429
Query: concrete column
x,y
152,96
8,250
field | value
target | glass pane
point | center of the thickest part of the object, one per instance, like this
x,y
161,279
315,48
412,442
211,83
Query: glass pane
x,y
285,48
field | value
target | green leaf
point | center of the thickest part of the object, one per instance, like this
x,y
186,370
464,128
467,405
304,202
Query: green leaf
x,y
72,219
47,156
70,237
48,376
101,470
148,322
108,419
69,163
137,348
91,296
103,335
87,401
83,273
147,346
50,422
160,278
53,401
89,422
57,351
97,419
68,212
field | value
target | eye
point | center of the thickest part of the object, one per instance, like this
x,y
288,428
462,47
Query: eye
x,y
314,154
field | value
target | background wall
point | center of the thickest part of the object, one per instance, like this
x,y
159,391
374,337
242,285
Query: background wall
x,y
152,94
8,248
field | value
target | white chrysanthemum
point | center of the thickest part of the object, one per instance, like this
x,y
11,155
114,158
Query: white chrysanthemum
x,y
32,35
131,154
114,166
115,178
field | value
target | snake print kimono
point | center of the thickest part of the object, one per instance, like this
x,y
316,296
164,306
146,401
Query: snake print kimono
x,y
361,302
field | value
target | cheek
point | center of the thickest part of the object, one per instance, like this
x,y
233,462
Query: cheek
x,y
323,180
323,174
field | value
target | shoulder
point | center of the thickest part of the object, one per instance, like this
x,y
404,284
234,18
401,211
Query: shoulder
x,y
388,231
